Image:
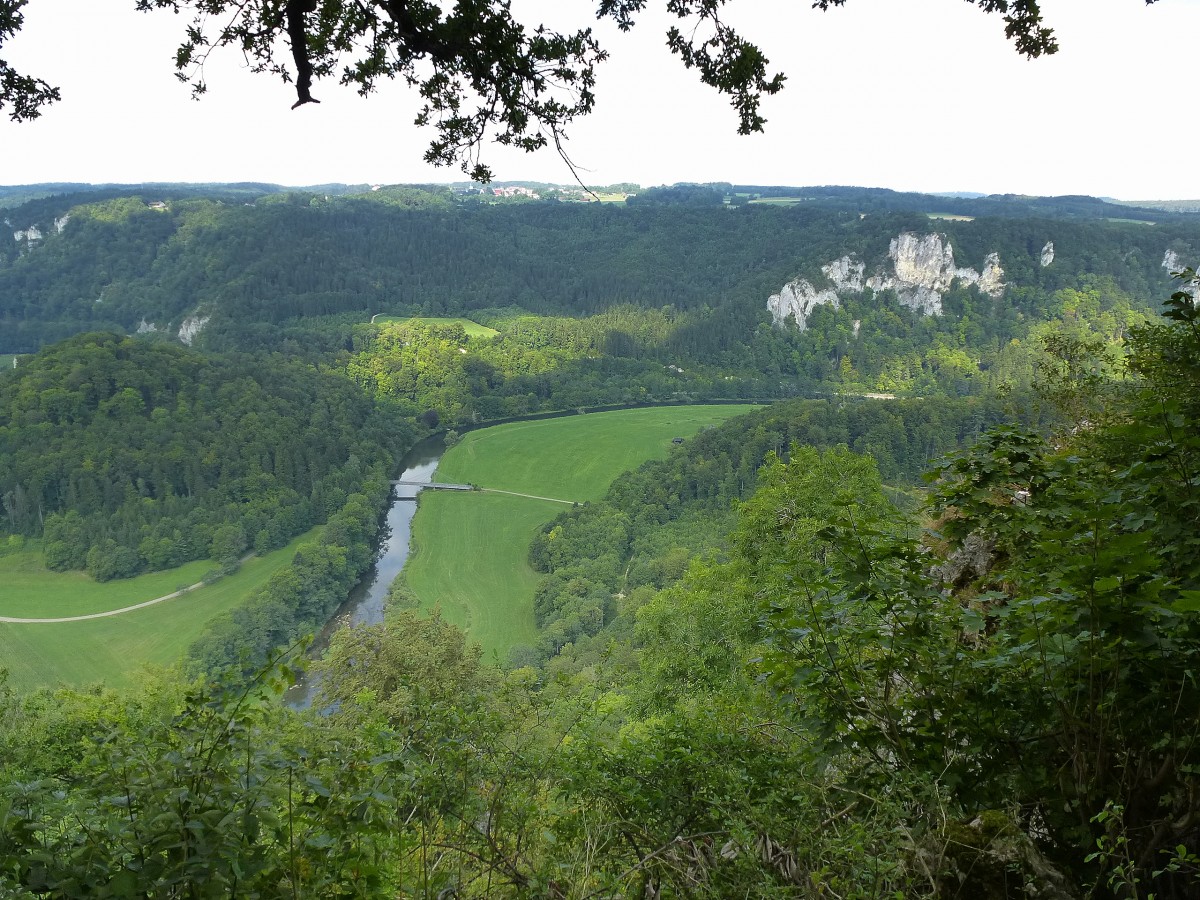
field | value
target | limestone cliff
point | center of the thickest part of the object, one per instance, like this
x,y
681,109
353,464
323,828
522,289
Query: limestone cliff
x,y
191,327
1048,254
923,269
29,237
799,298
920,269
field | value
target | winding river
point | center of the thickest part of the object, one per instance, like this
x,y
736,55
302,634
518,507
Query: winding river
x,y
365,604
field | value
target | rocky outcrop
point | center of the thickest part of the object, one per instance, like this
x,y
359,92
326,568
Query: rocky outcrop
x,y
921,270
145,327
28,236
1047,254
191,327
799,298
846,274
1171,262
60,224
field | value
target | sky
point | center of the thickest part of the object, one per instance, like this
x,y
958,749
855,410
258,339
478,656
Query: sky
x,y
913,95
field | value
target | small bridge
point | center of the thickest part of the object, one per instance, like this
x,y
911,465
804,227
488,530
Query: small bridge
x,y
434,485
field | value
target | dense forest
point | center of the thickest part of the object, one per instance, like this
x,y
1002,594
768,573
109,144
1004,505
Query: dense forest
x,y
694,278
939,643
125,455
844,703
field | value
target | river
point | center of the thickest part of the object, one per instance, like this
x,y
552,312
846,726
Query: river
x,y
365,604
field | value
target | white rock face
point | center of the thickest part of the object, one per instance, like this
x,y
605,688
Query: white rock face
x,y
60,224
31,235
797,300
921,262
991,279
922,269
846,274
191,327
1171,261
1048,254
145,327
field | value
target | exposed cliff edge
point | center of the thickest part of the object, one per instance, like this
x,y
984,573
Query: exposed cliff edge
x,y
922,269
799,298
191,327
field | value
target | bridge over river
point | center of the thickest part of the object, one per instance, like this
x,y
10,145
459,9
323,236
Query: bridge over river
x,y
434,485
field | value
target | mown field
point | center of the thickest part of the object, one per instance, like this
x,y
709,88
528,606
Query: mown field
x,y
32,591
473,329
470,548
111,650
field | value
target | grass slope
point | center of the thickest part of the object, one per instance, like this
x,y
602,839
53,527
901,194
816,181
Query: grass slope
x,y
112,650
470,549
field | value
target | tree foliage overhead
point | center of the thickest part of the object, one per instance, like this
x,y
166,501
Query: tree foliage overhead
x,y
477,67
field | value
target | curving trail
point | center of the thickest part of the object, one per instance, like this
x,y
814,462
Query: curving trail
x,y
11,620
530,496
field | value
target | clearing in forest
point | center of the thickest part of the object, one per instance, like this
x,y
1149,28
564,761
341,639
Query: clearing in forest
x,y
471,549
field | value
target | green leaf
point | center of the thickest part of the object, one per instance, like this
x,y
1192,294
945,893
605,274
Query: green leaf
x,y
1188,602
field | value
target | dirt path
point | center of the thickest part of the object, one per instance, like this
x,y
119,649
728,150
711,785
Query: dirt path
x,y
12,620
530,496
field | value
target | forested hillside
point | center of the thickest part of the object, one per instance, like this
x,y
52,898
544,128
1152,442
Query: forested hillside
x,y
990,696
125,455
694,279
604,561
772,664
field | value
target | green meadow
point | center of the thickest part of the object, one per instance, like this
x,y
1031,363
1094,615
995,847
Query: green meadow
x,y
470,549
473,329
111,650
32,591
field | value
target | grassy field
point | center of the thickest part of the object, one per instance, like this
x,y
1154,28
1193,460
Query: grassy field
x,y
32,591
470,548
112,650
473,329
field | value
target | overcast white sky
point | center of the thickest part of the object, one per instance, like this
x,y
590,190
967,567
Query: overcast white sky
x,y
923,95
